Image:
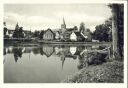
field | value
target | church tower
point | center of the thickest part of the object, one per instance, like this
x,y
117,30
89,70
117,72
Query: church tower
x,y
17,26
63,26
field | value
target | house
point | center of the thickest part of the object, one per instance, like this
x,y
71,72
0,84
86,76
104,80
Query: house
x,y
73,37
66,34
48,35
57,35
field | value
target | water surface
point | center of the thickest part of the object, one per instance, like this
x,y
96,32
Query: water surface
x,y
48,63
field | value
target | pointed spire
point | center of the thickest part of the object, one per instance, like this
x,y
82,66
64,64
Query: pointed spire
x,y
64,21
17,26
63,26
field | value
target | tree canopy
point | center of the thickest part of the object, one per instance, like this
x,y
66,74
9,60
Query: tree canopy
x,y
18,33
103,31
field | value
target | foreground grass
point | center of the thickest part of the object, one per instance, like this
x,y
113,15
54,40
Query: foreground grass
x,y
110,72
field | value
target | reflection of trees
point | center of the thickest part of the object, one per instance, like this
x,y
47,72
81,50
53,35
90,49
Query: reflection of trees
x,y
83,60
5,51
17,53
36,50
41,51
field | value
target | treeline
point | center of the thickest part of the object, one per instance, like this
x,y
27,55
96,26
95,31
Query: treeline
x,y
103,31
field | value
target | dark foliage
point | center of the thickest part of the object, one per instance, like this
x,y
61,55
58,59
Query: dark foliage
x,y
36,34
18,33
41,34
103,32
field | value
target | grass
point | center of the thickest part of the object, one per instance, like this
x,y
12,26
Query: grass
x,y
109,72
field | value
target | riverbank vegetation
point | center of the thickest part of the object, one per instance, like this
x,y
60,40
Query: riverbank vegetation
x,y
110,72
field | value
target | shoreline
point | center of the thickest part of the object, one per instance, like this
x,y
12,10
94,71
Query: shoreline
x,y
109,72
41,42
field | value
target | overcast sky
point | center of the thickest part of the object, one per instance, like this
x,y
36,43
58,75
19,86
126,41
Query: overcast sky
x,y
43,16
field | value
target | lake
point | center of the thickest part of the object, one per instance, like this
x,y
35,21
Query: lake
x,y
49,63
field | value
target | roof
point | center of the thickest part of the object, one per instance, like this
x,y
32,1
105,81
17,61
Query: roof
x,y
48,30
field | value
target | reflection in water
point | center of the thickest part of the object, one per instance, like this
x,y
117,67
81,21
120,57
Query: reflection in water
x,y
89,55
48,50
17,53
83,55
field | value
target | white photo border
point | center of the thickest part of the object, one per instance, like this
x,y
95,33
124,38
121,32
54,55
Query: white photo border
x,y
62,85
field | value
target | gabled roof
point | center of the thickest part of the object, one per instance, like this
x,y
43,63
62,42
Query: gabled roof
x,y
48,30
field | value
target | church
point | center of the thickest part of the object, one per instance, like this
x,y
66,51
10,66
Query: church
x,y
72,34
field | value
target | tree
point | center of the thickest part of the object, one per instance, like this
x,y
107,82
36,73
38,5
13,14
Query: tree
x,y
75,28
82,27
17,53
36,34
117,29
5,29
103,31
18,33
41,34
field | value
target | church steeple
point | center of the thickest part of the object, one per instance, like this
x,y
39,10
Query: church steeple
x,y
17,26
63,26
64,22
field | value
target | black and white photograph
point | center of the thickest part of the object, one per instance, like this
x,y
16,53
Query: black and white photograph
x,y
63,43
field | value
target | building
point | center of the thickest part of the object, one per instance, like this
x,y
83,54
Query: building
x,y
73,37
48,35
57,35
72,34
63,26
17,26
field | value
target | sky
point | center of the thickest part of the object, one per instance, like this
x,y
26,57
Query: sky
x,y
44,16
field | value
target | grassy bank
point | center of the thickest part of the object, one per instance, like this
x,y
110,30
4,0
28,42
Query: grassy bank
x,y
110,72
